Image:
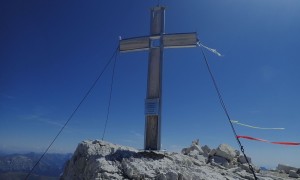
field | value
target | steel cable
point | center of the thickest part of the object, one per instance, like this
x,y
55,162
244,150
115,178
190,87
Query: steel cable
x,y
73,113
226,112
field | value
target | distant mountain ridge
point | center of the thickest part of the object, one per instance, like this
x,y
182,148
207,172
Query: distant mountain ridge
x,y
51,165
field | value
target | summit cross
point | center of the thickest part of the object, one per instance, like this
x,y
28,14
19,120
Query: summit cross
x,y
155,44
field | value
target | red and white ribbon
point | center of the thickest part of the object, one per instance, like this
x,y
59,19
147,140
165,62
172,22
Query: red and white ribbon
x,y
262,140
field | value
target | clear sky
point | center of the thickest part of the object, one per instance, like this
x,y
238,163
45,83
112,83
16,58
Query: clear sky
x,y
52,51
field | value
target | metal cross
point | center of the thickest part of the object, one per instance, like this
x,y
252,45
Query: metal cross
x,y
155,43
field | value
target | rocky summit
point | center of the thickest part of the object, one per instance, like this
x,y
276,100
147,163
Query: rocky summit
x,y
103,160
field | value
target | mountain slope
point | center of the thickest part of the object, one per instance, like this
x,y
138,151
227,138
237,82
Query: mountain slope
x,y
19,164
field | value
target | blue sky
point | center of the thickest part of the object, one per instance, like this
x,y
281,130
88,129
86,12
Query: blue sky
x,y
52,51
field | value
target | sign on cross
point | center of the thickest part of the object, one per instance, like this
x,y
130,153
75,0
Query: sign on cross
x,y
155,44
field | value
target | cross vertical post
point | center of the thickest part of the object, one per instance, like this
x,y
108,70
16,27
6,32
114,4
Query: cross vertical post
x,y
154,84
156,43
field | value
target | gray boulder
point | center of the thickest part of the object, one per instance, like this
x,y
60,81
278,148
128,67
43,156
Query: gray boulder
x,y
242,159
225,151
206,149
237,152
220,160
212,152
286,168
193,150
293,174
161,177
247,168
196,142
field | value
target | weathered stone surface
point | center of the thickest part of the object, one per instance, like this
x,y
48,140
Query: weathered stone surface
x,y
161,177
101,160
225,151
196,142
242,159
247,168
293,174
212,152
220,160
193,153
90,158
206,150
237,152
172,175
193,150
201,158
286,168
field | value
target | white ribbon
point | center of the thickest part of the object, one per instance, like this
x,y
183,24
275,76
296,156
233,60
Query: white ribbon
x,y
210,49
236,122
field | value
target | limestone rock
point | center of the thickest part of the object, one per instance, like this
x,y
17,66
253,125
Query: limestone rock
x,y
201,158
193,150
286,168
220,160
196,142
225,151
237,152
206,150
172,175
293,174
90,159
102,160
212,152
242,159
247,168
161,177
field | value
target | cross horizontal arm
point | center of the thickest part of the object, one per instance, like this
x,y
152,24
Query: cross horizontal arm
x,y
134,44
178,40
